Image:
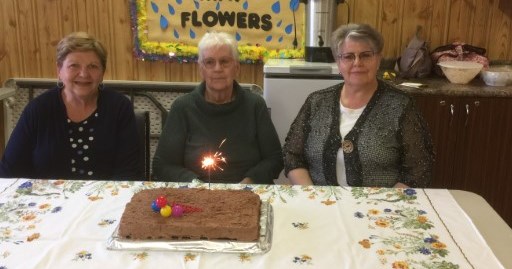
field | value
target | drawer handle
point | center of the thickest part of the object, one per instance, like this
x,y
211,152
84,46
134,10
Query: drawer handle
x,y
467,115
452,111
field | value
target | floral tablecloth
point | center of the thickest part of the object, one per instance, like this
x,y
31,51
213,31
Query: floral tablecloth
x,y
66,224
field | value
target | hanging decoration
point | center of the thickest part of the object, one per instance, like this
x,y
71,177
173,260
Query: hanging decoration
x,y
169,30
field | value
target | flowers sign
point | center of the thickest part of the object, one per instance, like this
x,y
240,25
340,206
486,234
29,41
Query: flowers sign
x,y
169,30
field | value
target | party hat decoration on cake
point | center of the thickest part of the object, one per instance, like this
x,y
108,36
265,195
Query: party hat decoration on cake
x,y
212,161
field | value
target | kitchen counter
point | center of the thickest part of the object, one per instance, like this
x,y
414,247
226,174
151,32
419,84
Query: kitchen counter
x,y
441,86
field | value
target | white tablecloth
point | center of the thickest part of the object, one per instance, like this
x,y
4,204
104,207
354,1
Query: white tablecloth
x,y
66,224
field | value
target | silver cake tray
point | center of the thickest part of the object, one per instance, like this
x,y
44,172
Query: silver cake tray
x,y
261,246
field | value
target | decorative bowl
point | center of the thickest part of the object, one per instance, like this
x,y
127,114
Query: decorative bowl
x,y
497,75
460,72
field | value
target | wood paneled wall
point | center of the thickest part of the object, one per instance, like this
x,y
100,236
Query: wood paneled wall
x,y
30,30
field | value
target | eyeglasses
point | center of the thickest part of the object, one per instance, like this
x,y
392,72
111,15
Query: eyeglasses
x,y
76,67
350,58
210,63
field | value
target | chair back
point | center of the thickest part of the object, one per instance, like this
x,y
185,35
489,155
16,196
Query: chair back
x,y
143,125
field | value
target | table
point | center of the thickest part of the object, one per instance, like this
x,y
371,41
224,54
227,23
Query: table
x,y
66,224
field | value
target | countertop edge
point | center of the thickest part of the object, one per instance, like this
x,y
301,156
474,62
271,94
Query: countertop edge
x,y
441,86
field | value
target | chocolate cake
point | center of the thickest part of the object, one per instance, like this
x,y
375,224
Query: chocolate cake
x,y
232,215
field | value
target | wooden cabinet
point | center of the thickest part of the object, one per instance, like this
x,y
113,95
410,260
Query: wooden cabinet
x,y
506,7
472,139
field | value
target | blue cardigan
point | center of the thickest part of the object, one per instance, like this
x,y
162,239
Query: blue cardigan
x,y
39,147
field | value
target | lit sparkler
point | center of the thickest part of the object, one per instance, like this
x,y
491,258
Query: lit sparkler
x,y
212,161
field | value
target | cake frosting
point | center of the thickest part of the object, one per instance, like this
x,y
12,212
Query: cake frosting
x,y
232,215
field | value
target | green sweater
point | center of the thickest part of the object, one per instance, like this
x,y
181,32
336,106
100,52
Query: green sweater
x,y
195,128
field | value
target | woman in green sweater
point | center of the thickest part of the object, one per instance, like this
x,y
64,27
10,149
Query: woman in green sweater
x,y
219,110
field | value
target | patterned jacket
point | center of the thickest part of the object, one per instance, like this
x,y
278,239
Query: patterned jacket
x,y
389,143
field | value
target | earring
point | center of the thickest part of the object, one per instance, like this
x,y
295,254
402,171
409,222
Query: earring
x,y
101,86
60,84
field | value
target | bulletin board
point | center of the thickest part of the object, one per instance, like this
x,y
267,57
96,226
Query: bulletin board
x,y
169,30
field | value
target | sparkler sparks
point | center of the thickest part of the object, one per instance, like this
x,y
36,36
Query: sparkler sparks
x,y
213,161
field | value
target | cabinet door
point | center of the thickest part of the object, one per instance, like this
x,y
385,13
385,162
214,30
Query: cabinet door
x,y
472,140
475,152
483,163
440,115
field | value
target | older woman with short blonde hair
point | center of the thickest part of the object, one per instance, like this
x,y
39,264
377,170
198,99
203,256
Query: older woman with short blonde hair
x,y
77,130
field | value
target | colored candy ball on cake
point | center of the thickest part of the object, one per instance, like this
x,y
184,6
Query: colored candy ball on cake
x,y
166,211
161,201
177,211
155,207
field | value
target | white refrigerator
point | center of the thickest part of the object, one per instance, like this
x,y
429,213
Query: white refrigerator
x,y
288,82
286,85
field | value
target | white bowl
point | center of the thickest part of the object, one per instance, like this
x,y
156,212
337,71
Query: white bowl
x,y
460,72
497,75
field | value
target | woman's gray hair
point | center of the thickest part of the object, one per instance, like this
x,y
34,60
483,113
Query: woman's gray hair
x,y
216,39
356,32
80,41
